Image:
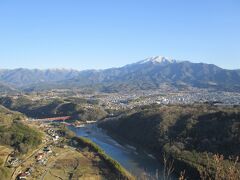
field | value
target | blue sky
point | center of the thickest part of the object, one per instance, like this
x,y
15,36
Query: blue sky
x,y
86,34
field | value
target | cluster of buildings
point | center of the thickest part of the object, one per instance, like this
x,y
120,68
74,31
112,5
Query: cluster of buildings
x,y
129,101
41,158
51,132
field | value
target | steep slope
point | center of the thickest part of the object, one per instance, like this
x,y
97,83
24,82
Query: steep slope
x,y
150,73
154,72
185,133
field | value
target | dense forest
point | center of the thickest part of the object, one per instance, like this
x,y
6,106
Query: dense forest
x,y
15,133
191,135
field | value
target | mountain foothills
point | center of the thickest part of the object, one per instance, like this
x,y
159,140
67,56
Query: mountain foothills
x,y
77,108
151,73
183,115
32,150
200,139
24,77
192,135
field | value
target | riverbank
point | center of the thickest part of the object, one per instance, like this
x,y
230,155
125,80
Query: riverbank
x,y
59,157
191,136
137,161
114,165
179,164
81,144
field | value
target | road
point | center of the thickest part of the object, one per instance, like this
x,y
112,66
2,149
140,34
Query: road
x,y
50,165
14,175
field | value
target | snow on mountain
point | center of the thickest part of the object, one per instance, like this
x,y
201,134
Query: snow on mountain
x,y
157,60
150,73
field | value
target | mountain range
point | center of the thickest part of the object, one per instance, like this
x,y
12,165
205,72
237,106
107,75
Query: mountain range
x,y
151,73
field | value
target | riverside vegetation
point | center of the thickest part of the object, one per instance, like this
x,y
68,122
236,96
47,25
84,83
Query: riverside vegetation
x,y
114,165
192,136
201,140
25,139
84,143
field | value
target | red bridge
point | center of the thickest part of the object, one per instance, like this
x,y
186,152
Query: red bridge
x,y
55,118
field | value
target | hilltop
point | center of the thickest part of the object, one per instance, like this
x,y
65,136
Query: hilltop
x,y
150,73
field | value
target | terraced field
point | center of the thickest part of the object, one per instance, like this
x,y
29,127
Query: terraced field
x,y
74,165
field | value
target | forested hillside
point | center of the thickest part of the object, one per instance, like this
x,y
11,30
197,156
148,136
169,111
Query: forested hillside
x,y
15,136
15,133
77,108
189,134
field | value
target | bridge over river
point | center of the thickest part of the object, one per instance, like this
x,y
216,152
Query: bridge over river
x,y
51,119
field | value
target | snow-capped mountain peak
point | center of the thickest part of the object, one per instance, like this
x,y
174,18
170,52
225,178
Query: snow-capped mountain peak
x,y
157,60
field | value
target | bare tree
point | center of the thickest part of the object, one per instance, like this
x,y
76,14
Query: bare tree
x,y
219,169
168,167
